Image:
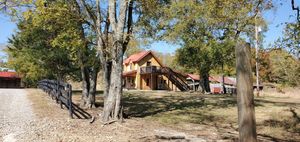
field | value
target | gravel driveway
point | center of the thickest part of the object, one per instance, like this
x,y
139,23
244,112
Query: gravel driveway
x,y
16,113
30,115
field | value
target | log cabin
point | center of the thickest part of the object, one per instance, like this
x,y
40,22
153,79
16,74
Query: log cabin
x,y
144,71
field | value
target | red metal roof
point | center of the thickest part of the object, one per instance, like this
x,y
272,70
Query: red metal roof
x,y
194,76
9,74
139,56
197,77
136,57
213,78
226,80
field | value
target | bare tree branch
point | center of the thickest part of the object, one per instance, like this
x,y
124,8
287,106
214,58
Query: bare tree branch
x,y
122,16
129,26
88,13
112,14
297,9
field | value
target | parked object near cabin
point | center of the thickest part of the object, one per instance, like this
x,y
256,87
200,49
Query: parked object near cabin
x,y
215,83
9,80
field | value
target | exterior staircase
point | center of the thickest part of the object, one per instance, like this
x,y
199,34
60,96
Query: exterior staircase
x,y
175,78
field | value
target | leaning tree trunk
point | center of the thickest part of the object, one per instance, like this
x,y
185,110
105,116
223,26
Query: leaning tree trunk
x,y
246,113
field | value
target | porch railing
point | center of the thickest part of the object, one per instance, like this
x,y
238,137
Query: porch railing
x,y
150,69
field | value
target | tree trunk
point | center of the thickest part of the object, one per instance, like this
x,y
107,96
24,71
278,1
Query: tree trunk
x,y
223,80
93,87
112,103
204,82
85,87
246,113
107,74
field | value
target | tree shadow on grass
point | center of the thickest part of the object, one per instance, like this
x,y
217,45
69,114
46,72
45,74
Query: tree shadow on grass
x,y
142,106
276,103
290,124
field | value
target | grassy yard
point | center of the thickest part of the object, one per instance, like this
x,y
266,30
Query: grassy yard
x,y
278,118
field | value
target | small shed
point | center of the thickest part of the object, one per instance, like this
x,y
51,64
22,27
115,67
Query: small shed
x,y
9,80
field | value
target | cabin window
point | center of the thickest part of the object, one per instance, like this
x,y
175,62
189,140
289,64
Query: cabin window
x,y
149,63
147,81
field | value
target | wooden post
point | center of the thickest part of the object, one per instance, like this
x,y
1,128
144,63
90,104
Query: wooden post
x,y
151,81
57,91
194,88
70,100
169,84
59,94
245,100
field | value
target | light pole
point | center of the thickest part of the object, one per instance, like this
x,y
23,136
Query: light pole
x,y
257,30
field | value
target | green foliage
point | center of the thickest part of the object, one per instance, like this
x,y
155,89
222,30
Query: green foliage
x,y
205,57
211,27
31,55
291,39
14,8
264,64
285,69
166,59
276,65
134,46
2,65
50,42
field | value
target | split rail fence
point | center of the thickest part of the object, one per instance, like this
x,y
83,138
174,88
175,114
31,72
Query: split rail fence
x,y
60,91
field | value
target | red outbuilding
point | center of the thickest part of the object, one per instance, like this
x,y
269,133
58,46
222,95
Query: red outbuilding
x,y
9,80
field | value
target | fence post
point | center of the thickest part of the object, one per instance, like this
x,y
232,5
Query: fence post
x,y
57,91
47,89
70,100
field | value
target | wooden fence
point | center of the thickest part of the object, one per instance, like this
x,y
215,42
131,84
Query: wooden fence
x,y
60,91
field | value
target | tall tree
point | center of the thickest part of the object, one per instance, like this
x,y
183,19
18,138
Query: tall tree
x,y
112,23
68,31
265,71
31,55
73,35
232,18
184,23
237,19
285,68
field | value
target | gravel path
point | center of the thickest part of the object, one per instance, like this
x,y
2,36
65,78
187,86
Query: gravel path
x,y
29,115
16,113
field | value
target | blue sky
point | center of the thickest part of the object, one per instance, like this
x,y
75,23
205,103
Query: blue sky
x,y
275,18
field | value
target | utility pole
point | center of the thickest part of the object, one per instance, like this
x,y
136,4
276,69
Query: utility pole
x,y
257,30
